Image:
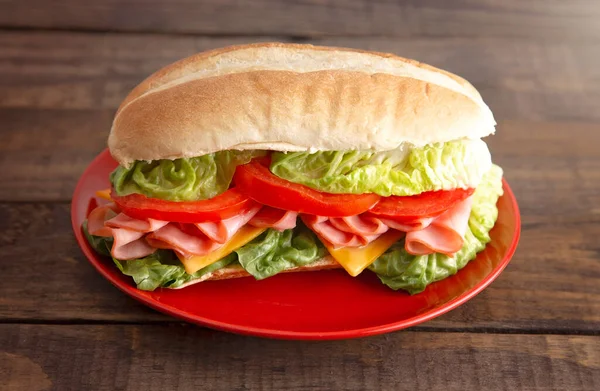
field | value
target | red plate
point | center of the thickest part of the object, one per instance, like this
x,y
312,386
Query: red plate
x,y
318,305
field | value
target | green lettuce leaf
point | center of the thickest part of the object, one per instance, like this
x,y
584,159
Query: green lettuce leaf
x,y
186,179
163,269
275,251
399,172
400,270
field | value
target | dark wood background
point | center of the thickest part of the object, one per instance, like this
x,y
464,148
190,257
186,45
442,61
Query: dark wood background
x,y
66,65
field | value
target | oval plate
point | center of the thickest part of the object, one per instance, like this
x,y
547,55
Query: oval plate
x,y
312,305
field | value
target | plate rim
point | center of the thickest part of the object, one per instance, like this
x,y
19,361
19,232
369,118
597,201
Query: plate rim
x,y
145,298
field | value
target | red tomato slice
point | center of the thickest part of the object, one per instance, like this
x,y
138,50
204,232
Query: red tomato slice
x,y
257,182
428,204
225,205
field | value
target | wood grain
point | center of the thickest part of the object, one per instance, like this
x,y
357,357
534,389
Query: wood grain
x,y
43,152
50,278
90,71
552,290
185,357
539,19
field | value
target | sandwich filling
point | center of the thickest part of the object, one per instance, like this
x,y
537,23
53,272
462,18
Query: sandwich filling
x,y
413,216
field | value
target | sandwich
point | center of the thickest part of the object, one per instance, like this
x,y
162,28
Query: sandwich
x,y
255,160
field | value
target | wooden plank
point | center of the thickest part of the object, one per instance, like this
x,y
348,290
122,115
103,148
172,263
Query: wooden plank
x,y
518,79
34,357
43,152
48,277
550,285
506,18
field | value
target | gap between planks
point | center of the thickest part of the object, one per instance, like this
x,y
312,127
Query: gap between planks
x,y
424,328
291,38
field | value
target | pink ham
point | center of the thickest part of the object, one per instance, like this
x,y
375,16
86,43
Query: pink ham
x,y
278,219
444,235
137,238
408,226
127,244
123,221
97,217
359,225
222,231
208,237
172,237
352,231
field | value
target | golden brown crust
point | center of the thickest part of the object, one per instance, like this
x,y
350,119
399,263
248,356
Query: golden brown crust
x,y
237,271
294,97
193,63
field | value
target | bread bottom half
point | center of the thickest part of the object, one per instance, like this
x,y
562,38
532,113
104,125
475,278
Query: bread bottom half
x,y
238,271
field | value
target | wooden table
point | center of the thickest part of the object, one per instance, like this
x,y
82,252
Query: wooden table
x,y
64,68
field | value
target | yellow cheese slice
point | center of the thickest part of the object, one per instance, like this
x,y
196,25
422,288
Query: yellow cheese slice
x,y
241,237
104,194
356,259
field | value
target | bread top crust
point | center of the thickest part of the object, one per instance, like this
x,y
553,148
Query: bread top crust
x,y
290,97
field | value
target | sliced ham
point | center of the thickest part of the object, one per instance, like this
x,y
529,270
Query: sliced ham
x,y
352,231
206,238
359,225
278,219
137,238
127,243
97,217
172,237
123,221
444,235
408,226
223,230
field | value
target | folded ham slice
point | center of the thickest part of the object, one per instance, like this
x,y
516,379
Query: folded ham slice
x,y
205,238
442,234
351,231
172,237
445,234
278,219
123,221
222,231
97,218
127,243
408,226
